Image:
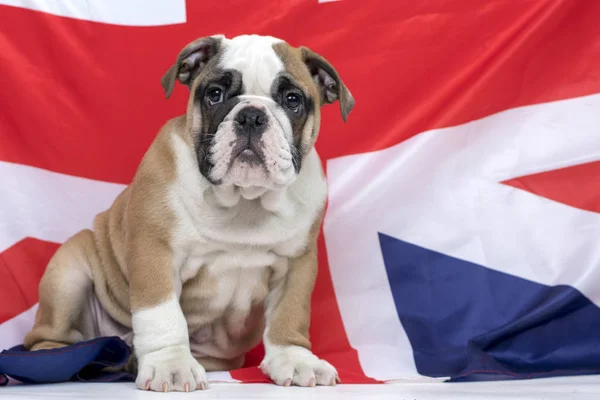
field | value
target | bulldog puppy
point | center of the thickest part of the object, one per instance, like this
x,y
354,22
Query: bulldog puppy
x,y
213,246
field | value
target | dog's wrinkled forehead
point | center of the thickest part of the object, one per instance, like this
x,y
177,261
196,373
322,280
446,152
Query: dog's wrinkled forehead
x,y
260,60
256,60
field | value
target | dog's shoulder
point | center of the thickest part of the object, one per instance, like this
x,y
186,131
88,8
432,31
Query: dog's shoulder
x,y
142,204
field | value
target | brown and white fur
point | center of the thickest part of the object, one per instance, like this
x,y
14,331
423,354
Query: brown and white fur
x,y
213,246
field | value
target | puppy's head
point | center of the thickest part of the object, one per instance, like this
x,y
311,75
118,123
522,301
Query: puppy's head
x,y
254,106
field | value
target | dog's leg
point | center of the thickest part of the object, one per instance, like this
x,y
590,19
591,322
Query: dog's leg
x,y
161,339
63,293
288,358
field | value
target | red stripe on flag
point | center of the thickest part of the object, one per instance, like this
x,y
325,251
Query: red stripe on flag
x,y
432,64
577,186
21,268
250,375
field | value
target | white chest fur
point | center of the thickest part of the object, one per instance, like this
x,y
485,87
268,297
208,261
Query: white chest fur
x,y
232,242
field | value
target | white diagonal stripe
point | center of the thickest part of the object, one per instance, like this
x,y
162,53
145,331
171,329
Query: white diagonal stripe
x,y
48,205
440,190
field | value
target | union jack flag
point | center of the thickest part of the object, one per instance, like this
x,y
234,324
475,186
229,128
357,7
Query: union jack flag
x,y
462,235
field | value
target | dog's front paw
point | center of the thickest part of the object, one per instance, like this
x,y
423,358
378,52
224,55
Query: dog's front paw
x,y
171,369
293,365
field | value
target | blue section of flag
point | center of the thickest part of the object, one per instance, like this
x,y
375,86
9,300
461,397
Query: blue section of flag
x,y
469,322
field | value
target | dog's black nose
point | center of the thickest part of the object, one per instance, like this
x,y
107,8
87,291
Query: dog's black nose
x,y
251,120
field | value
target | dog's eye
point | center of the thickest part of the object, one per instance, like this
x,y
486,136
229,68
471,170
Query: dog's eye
x,y
293,101
214,96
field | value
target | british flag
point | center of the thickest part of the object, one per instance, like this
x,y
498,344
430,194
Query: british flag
x,y
462,235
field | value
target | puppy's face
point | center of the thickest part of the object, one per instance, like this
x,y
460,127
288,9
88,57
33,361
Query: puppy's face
x,y
254,106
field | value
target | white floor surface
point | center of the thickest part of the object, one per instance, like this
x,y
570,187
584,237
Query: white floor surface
x,y
580,388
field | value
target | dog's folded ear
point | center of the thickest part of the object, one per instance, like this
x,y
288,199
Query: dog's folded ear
x,y
331,86
190,61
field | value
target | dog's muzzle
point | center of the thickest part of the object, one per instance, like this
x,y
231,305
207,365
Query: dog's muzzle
x,y
250,124
251,147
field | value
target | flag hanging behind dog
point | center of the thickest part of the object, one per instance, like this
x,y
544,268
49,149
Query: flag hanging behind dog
x,y
460,237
